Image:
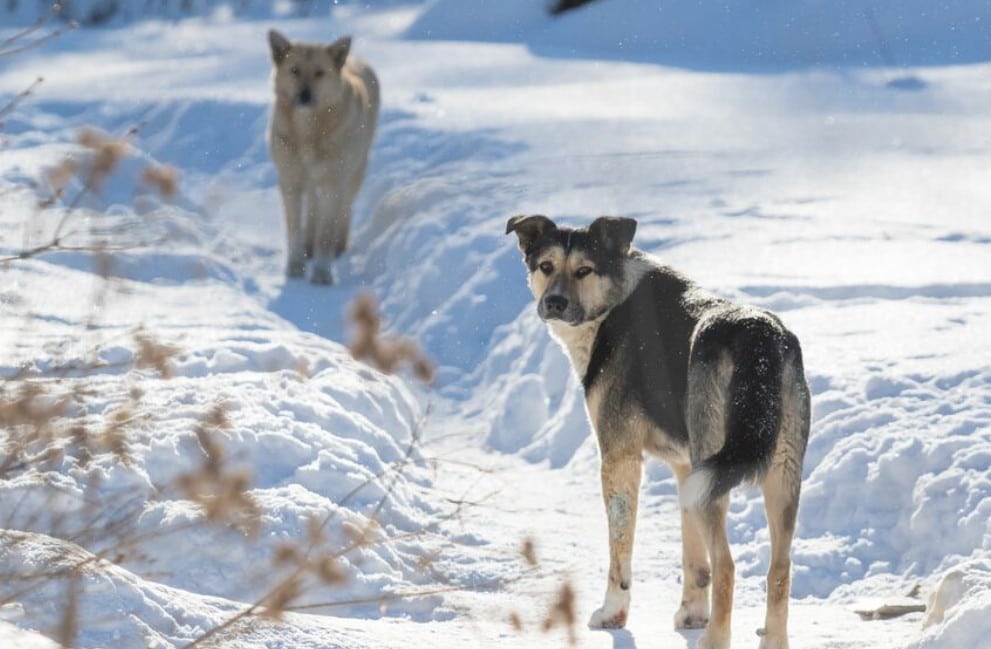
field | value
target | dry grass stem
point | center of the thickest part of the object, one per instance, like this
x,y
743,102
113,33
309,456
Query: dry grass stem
x,y
386,353
221,492
562,613
105,152
12,105
153,354
68,627
529,552
163,178
19,42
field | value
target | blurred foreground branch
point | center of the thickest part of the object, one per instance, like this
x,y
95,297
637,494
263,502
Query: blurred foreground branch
x,y
25,39
385,353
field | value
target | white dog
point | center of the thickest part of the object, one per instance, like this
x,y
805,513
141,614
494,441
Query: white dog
x,y
321,129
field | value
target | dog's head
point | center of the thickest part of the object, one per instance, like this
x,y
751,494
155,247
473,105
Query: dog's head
x,y
308,74
576,274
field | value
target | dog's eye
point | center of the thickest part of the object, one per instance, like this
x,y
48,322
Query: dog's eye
x,y
294,70
546,267
319,73
584,271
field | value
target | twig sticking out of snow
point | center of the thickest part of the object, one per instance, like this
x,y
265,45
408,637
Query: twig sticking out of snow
x,y
15,44
16,100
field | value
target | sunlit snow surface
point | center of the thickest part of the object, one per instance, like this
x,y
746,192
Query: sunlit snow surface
x,y
854,207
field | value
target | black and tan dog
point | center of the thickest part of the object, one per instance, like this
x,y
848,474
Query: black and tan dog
x,y
715,389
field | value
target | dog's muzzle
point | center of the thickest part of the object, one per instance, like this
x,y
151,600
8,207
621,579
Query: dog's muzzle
x,y
558,307
555,305
305,97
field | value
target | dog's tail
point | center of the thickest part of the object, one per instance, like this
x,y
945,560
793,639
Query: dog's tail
x,y
752,407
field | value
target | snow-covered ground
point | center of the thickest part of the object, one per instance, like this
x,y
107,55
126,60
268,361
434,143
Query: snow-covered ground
x,y
852,200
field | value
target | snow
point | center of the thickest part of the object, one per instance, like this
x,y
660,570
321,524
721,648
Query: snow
x,y
772,175
11,636
728,35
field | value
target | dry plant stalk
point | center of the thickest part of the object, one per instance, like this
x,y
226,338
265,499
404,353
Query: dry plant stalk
x,y
324,567
62,174
562,612
163,178
153,354
30,437
105,151
529,552
103,154
385,353
12,105
68,627
221,492
19,42
113,438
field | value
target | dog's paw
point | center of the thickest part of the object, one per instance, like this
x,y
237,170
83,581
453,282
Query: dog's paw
x,y
713,639
612,613
692,615
296,268
322,276
602,619
770,642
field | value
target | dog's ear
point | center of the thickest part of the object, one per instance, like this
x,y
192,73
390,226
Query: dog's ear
x,y
280,46
614,232
339,51
529,228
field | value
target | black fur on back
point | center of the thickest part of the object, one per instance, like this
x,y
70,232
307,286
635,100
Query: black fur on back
x,y
759,345
646,344
647,338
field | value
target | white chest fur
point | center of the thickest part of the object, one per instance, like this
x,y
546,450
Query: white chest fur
x,y
577,342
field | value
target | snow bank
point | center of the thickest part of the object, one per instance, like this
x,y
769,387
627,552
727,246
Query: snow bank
x,y
11,636
740,34
963,600
322,438
325,440
897,476
540,414
112,12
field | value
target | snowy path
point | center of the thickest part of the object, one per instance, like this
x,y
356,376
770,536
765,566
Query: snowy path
x,y
854,209
562,513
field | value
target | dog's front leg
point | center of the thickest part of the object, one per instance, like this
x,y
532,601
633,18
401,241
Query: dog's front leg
x,y
292,202
328,215
621,473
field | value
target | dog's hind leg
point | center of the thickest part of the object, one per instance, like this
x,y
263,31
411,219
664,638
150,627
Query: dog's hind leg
x,y
781,487
709,378
696,573
621,474
781,506
711,519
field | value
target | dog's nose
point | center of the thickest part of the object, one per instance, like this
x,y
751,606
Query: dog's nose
x,y
555,304
305,96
